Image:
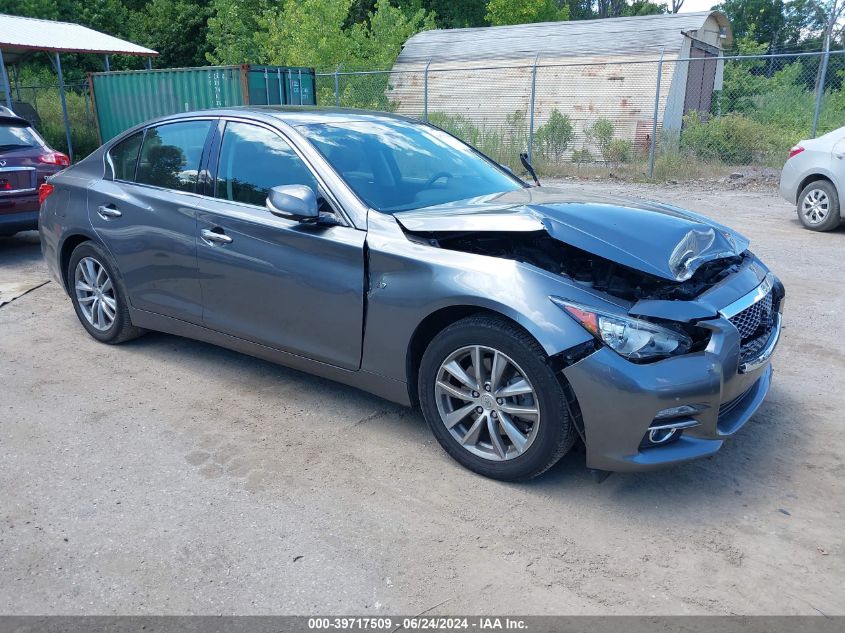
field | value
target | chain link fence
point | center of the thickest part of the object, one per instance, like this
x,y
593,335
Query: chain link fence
x,y
673,118
41,105
670,119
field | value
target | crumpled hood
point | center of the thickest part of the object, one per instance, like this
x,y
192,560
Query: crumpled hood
x,y
654,238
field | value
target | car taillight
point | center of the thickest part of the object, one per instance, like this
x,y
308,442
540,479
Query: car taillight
x,y
795,151
55,158
44,192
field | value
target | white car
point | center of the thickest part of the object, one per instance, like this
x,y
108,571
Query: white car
x,y
814,179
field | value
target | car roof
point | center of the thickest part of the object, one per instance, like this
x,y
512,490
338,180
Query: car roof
x,y
295,115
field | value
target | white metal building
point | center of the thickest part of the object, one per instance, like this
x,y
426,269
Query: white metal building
x,y
586,69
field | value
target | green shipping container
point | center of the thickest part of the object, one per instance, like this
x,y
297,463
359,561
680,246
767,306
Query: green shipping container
x,y
124,99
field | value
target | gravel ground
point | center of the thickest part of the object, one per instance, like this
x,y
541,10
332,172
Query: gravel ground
x,y
170,476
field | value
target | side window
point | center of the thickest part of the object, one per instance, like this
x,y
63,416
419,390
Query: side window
x,y
171,154
124,156
253,160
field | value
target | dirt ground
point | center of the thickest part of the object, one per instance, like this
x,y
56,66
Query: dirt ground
x,y
170,476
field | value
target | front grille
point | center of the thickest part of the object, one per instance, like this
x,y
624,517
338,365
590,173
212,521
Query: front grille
x,y
755,321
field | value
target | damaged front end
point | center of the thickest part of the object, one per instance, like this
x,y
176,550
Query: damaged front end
x,y
586,269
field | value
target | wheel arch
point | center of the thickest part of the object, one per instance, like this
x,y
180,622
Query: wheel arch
x,y
68,245
811,178
436,322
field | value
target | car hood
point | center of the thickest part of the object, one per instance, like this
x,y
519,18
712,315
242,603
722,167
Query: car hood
x,y
654,238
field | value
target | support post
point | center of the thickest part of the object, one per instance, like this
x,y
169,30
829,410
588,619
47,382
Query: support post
x,y
5,77
337,86
531,110
17,84
64,106
106,64
149,63
652,150
820,87
425,91
300,87
281,86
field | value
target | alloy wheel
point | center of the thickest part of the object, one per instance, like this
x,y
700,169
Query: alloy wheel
x,y
815,206
487,403
95,293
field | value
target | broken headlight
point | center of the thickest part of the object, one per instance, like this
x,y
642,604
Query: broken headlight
x,y
635,339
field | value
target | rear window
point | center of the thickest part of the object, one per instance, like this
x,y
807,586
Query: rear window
x,y
170,156
16,136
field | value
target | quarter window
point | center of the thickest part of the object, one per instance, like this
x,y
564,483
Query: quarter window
x,y
171,154
253,160
124,156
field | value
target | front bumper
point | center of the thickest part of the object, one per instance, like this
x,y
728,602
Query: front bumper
x,y
619,400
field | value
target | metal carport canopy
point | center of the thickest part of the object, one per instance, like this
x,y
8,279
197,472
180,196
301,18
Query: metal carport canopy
x,y
21,37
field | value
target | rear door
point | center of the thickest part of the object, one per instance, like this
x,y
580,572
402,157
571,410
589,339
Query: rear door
x,y
146,214
291,286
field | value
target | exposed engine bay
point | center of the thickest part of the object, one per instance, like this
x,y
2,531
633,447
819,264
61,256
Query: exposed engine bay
x,y
539,249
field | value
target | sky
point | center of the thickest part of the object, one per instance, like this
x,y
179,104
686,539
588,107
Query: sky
x,y
698,5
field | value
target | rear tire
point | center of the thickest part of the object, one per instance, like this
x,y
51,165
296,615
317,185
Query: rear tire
x,y
818,206
513,427
98,295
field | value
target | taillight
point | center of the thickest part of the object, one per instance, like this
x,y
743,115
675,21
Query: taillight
x,y
44,192
55,158
795,151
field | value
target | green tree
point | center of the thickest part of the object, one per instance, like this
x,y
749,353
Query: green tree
x,y
501,12
313,33
232,28
177,29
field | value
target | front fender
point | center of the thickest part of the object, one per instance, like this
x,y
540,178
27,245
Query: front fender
x,y
409,281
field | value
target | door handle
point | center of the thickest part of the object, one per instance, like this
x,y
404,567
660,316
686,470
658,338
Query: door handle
x,y
107,213
840,155
212,237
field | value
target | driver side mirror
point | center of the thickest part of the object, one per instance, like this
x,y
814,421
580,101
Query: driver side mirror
x,y
293,202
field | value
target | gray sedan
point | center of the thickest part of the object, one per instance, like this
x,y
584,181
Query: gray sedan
x,y
384,253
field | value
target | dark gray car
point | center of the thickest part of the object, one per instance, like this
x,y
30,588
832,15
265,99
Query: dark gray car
x,y
384,253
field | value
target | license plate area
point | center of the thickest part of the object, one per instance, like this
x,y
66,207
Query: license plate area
x,y
17,180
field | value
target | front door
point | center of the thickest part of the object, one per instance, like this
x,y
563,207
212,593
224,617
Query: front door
x,y
276,282
145,213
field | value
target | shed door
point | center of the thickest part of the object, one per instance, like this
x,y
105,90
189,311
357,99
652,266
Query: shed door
x,y
700,80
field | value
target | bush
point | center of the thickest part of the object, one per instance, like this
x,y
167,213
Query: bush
x,y
582,155
458,125
618,151
554,136
733,139
600,134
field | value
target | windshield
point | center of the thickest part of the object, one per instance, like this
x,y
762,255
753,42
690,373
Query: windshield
x,y
398,165
16,136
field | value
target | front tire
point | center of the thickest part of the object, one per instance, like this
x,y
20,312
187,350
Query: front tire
x,y
98,296
492,401
818,206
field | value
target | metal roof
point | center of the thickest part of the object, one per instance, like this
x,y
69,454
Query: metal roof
x,y
20,37
559,39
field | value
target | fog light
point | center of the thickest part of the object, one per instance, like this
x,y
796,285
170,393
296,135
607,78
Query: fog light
x,y
662,436
660,433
